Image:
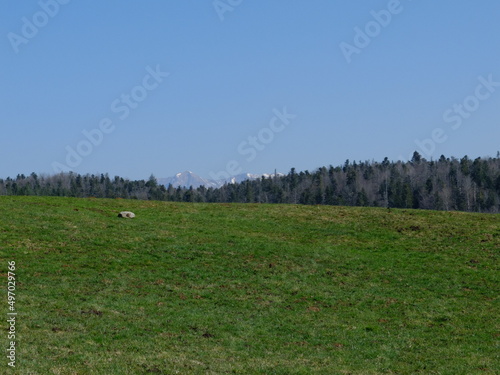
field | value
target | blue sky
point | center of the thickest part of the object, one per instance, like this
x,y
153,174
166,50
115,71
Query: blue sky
x,y
166,86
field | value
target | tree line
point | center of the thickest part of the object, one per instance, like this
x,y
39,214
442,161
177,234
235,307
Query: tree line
x,y
445,184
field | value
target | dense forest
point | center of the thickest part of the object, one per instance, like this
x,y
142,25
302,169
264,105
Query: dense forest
x,y
445,184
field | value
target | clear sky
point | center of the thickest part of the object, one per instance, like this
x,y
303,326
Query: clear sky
x,y
132,88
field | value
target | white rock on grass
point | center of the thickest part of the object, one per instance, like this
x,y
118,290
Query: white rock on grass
x,y
126,214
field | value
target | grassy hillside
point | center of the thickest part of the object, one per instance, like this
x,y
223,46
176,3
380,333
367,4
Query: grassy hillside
x,y
249,289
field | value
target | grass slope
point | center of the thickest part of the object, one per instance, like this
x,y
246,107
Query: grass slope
x,y
250,289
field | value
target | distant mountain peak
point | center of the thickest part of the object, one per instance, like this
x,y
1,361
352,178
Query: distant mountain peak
x,y
188,179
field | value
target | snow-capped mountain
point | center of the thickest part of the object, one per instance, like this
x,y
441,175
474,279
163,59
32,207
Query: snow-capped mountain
x,y
247,176
188,178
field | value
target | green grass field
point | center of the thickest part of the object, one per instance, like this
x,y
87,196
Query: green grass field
x,y
249,289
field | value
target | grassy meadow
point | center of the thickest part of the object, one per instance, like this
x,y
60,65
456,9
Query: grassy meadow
x,y
249,289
